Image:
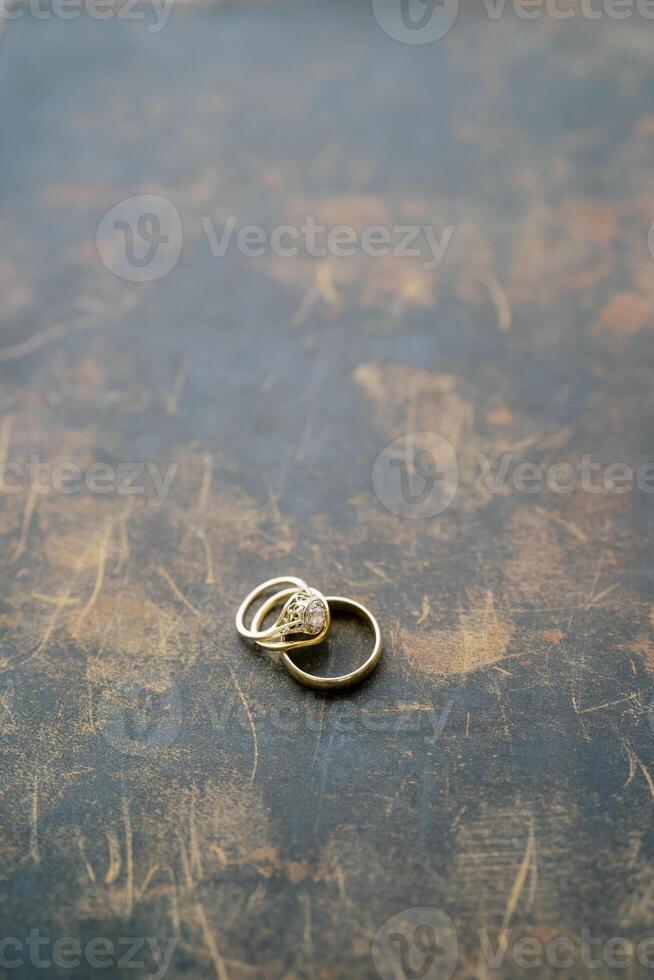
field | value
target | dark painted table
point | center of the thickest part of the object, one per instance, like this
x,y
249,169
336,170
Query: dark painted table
x,y
162,779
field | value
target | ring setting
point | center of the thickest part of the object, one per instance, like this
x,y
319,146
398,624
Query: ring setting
x,y
305,616
307,612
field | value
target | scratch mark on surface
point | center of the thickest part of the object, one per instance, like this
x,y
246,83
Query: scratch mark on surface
x,y
304,438
123,542
566,525
99,578
4,701
114,858
323,706
632,761
412,416
257,895
205,487
172,400
211,943
600,595
443,719
55,600
30,507
325,283
607,704
379,572
425,611
647,776
598,572
517,887
129,859
34,823
146,881
500,300
174,904
5,438
306,932
307,304
323,288
176,591
533,875
209,579
15,351
635,761
194,848
87,864
273,499
253,727
165,633
186,864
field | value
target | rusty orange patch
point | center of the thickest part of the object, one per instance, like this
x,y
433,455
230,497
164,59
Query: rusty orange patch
x,y
481,638
499,416
623,316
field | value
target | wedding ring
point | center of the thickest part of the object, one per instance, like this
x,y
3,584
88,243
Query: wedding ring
x,y
305,612
315,680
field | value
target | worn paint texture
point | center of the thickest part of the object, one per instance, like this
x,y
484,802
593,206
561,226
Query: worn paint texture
x,y
161,778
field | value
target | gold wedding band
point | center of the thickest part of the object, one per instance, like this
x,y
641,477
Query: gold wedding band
x,y
315,680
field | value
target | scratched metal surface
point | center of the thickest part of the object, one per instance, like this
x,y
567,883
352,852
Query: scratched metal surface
x,y
498,765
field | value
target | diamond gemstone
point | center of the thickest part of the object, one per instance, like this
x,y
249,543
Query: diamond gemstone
x,y
315,616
